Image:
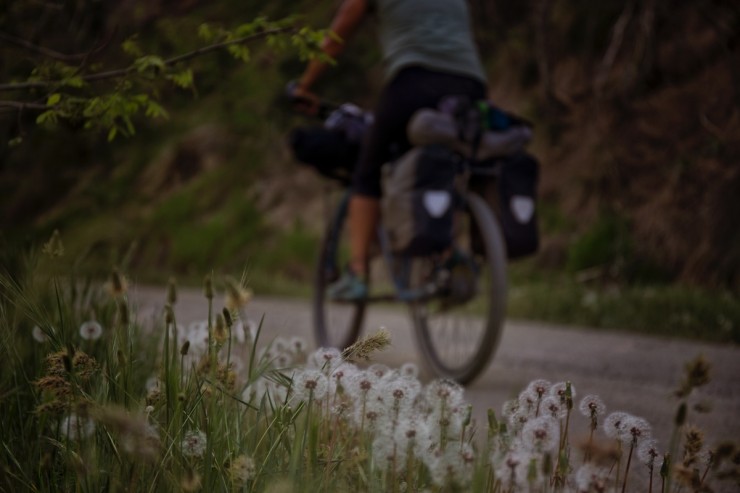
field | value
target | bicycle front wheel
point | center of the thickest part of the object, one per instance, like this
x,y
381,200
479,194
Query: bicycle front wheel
x,y
458,338
336,325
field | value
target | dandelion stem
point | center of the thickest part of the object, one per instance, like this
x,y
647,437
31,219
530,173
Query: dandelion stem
x,y
627,467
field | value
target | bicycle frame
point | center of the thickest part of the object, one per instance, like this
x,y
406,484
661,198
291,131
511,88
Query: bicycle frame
x,y
398,266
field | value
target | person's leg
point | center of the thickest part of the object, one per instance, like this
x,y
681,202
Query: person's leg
x,y
364,214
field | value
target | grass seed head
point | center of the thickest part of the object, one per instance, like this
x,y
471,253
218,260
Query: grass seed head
x,y
364,348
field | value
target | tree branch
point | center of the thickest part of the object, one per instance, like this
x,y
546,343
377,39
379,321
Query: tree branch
x,y
21,105
112,74
8,38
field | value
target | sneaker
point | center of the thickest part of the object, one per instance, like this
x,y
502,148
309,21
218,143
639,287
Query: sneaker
x,y
349,287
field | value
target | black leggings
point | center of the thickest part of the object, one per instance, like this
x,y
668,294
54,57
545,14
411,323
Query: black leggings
x,y
413,88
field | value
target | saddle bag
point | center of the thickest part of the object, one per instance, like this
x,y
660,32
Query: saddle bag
x,y
512,194
419,199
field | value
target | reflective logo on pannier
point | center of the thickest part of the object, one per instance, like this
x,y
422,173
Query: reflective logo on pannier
x,y
437,202
522,207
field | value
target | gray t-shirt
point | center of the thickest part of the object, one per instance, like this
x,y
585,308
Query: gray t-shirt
x,y
435,34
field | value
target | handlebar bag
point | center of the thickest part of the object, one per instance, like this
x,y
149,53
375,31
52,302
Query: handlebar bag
x,y
331,152
419,198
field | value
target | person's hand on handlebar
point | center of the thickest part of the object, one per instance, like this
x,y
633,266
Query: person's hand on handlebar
x,y
302,100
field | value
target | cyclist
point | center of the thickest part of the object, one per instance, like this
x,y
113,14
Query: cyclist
x,y
428,53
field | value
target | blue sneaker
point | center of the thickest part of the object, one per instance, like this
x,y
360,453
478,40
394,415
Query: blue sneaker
x,y
350,287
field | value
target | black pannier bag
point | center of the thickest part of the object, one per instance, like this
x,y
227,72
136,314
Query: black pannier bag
x,y
512,194
419,200
334,148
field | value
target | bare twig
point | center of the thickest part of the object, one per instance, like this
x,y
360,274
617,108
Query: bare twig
x,y
22,105
8,38
112,74
615,45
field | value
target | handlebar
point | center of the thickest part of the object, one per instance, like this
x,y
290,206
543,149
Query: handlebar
x,y
307,105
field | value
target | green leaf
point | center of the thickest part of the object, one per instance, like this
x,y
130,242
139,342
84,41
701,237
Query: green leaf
x,y
131,47
205,32
149,63
155,110
112,133
53,99
182,79
75,81
49,117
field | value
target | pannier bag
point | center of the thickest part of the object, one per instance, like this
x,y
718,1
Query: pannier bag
x,y
334,148
512,194
419,200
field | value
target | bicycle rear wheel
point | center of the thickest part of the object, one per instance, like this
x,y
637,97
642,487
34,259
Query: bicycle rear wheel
x,y
336,325
458,338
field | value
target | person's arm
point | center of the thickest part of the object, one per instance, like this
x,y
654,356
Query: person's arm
x,y
345,23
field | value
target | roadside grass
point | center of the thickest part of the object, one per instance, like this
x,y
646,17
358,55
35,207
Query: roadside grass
x,y
657,309
95,398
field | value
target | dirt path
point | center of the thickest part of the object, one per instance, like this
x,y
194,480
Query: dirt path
x,y
631,373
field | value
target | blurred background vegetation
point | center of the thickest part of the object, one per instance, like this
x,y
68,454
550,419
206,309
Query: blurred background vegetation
x,y
637,111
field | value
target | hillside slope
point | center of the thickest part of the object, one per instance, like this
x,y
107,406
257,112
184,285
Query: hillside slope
x,y
636,105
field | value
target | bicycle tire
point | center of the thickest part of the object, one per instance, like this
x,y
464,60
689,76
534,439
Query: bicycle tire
x,y
439,333
336,325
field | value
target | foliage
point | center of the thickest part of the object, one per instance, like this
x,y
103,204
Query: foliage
x,y
95,401
78,94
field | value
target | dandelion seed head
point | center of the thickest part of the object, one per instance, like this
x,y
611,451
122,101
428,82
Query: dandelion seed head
x,y
509,408
297,345
647,451
560,390
452,465
308,384
589,477
384,452
614,424
193,444
39,335
592,406
76,427
280,344
444,392
343,372
241,470
325,359
528,399
282,360
403,389
512,470
91,330
540,387
635,429
517,420
254,391
379,370
552,406
409,370
541,434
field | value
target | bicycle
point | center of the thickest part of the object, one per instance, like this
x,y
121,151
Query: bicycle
x,y
457,325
